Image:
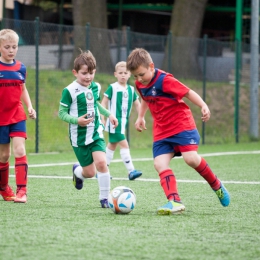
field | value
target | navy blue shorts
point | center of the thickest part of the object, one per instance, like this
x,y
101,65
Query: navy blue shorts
x,y
183,142
13,130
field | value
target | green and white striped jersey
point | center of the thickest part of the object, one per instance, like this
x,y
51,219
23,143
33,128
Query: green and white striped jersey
x,y
120,102
82,100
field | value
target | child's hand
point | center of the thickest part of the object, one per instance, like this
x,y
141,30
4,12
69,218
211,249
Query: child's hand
x,y
113,121
205,113
31,113
140,124
83,121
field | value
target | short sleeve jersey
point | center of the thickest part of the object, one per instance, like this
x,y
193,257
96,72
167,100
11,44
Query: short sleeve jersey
x,y
82,100
163,95
12,78
120,102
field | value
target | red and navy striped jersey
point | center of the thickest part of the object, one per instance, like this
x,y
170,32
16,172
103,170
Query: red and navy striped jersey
x,y
12,78
163,95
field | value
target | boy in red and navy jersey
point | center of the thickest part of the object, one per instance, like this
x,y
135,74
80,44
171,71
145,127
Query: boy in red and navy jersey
x,y
174,128
12,117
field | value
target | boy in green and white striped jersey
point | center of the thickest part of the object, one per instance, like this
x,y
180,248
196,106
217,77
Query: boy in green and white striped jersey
x,y
119,98
80,107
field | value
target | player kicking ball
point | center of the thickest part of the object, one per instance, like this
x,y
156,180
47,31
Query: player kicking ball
x,y
174,129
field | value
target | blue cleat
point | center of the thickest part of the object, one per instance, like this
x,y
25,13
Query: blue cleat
x,y
134,174
104,203
77,182
223,195
171,207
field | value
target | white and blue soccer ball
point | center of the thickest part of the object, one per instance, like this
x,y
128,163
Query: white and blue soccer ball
x,y
122,200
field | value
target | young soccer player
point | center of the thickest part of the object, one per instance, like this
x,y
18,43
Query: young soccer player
x,y
174,129
13,117
80,108
119,98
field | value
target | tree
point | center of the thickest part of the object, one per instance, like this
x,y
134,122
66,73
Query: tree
x,y
185,26
94,37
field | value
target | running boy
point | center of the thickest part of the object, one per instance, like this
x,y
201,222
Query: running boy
x,y
119,98
174,129
80,108
13,117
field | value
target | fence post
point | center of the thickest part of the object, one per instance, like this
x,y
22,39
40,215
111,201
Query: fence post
x,y
87,35
127,53
37,84
170,51
205,39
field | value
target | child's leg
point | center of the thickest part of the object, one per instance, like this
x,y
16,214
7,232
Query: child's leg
x,y
4,175
126,158
167,178
103,177
4,165
200,165
205,171
169,185
21,170
109,154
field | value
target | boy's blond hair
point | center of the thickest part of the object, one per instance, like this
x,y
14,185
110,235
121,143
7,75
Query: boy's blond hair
x,y
8,34
138,57
85,58
120,64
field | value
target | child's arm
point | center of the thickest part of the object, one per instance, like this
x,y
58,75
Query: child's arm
x,y
65,116
137,105
107,113
198,101
27,101
104,104
140,122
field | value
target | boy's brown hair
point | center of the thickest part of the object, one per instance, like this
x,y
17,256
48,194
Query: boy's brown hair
x,y
8,34
85,58
138,57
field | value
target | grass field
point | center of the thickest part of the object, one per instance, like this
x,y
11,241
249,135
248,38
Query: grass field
x,y
60,222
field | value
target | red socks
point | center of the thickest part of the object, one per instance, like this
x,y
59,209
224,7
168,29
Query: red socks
x,y
21,169
4,175
169,185
204,170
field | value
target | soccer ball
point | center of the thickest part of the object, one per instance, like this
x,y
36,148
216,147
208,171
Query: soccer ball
x,y
122,200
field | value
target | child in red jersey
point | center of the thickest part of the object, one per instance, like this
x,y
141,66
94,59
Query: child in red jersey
x,y
12,117
174,128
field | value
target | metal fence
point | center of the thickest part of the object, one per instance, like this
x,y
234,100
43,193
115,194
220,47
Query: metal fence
x,y
48,51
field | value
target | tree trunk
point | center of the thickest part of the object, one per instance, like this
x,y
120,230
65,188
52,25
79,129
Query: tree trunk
x,y
93,13
186,22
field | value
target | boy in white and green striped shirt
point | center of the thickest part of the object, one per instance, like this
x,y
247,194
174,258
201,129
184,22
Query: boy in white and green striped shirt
x,y
119,99
80,107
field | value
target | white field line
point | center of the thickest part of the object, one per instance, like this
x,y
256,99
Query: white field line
x,y
141,179
146,159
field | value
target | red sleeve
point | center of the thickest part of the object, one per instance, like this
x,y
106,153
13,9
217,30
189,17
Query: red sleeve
x,y
174,87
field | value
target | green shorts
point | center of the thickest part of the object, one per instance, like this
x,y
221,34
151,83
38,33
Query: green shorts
x,y
84,153
115,138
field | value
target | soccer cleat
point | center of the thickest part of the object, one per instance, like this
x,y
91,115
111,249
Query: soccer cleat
x,y
77,182
104,203
223,195
134,174
21,196
171,207
7,194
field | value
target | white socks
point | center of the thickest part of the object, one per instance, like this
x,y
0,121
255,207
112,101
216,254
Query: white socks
x,y
109,155
127,160
104,184
78,172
